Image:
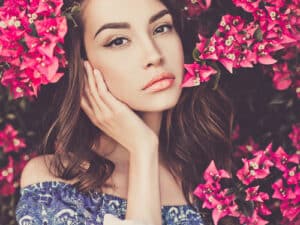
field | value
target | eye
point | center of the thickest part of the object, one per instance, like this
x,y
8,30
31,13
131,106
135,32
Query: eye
x,y
117,42
163,28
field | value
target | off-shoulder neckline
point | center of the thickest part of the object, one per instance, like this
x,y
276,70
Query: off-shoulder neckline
x,y
102,194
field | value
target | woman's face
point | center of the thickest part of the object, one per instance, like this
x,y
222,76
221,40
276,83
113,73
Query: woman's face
x,y
131,42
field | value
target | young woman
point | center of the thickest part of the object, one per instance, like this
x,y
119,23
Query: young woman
x,y
126,139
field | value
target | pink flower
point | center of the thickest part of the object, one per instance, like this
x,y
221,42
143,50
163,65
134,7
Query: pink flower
x,y
248,6
263,209
258,198
196,7
235,133
221,203
197,74
282,76
263,52
213,196
37,63
207,48
10,175
256,168
289,53
254,219
211,174
278,3
249,147
294,135
234,44
281,192
292,176
281,159
7,173
254,195
10,141
208,194
225,207
290,210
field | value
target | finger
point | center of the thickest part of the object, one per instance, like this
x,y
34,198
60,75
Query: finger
x,y
92,92
86,107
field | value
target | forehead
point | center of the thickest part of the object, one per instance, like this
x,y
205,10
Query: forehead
x,y
106,11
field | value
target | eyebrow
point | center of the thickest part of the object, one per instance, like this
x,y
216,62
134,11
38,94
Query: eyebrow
x,y
124,25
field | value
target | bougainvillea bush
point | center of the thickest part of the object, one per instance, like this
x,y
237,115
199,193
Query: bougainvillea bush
x,y
250,48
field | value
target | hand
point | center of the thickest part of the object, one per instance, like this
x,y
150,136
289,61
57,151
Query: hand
x,y
112,220
112,116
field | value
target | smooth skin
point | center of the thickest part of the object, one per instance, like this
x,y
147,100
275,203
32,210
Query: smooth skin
x,y
113,118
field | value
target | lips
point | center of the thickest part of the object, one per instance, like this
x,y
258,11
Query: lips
x,y
160,77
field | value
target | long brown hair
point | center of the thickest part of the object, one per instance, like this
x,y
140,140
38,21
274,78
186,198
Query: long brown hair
x,y
194,132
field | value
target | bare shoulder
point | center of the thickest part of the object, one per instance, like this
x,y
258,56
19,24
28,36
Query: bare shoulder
x,y
36,171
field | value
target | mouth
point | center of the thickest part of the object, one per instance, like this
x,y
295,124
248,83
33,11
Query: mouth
x,y
160,82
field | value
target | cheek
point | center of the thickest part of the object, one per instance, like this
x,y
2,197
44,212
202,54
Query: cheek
x,y
117,78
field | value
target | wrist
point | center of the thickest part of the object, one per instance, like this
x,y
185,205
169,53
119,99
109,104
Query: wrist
x,y
146,148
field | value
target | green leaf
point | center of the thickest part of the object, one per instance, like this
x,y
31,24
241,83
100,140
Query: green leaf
x,y
196,55
33,30
258,34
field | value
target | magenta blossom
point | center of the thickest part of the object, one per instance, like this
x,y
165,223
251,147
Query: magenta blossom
x,y
281,159
294,135
282,192
292,176
248,6
254,219
196,7
207,48
254,195
10,175
258,198
7,173
221,203
249,147
256,168
211,174
196,74
36,61
281,76
9,140
235,133
226,206
208,193
290,209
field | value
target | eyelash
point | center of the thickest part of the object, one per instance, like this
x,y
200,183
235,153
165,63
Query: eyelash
x,y
113,42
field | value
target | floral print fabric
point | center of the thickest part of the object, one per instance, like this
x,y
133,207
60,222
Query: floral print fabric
x,y
57,203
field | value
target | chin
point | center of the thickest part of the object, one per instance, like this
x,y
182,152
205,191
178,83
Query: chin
x,y
157,104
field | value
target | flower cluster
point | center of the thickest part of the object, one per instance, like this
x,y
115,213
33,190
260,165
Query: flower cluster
x,y
221,203
196,7
240,44
247,188
295,136
11,144
9,140
31,38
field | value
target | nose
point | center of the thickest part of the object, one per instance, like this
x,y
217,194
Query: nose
x,y
152,54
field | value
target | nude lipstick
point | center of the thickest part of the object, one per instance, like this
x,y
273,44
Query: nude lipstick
x,y
160,82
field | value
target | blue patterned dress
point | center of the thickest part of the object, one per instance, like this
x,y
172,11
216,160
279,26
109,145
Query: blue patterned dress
x,y
58,203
